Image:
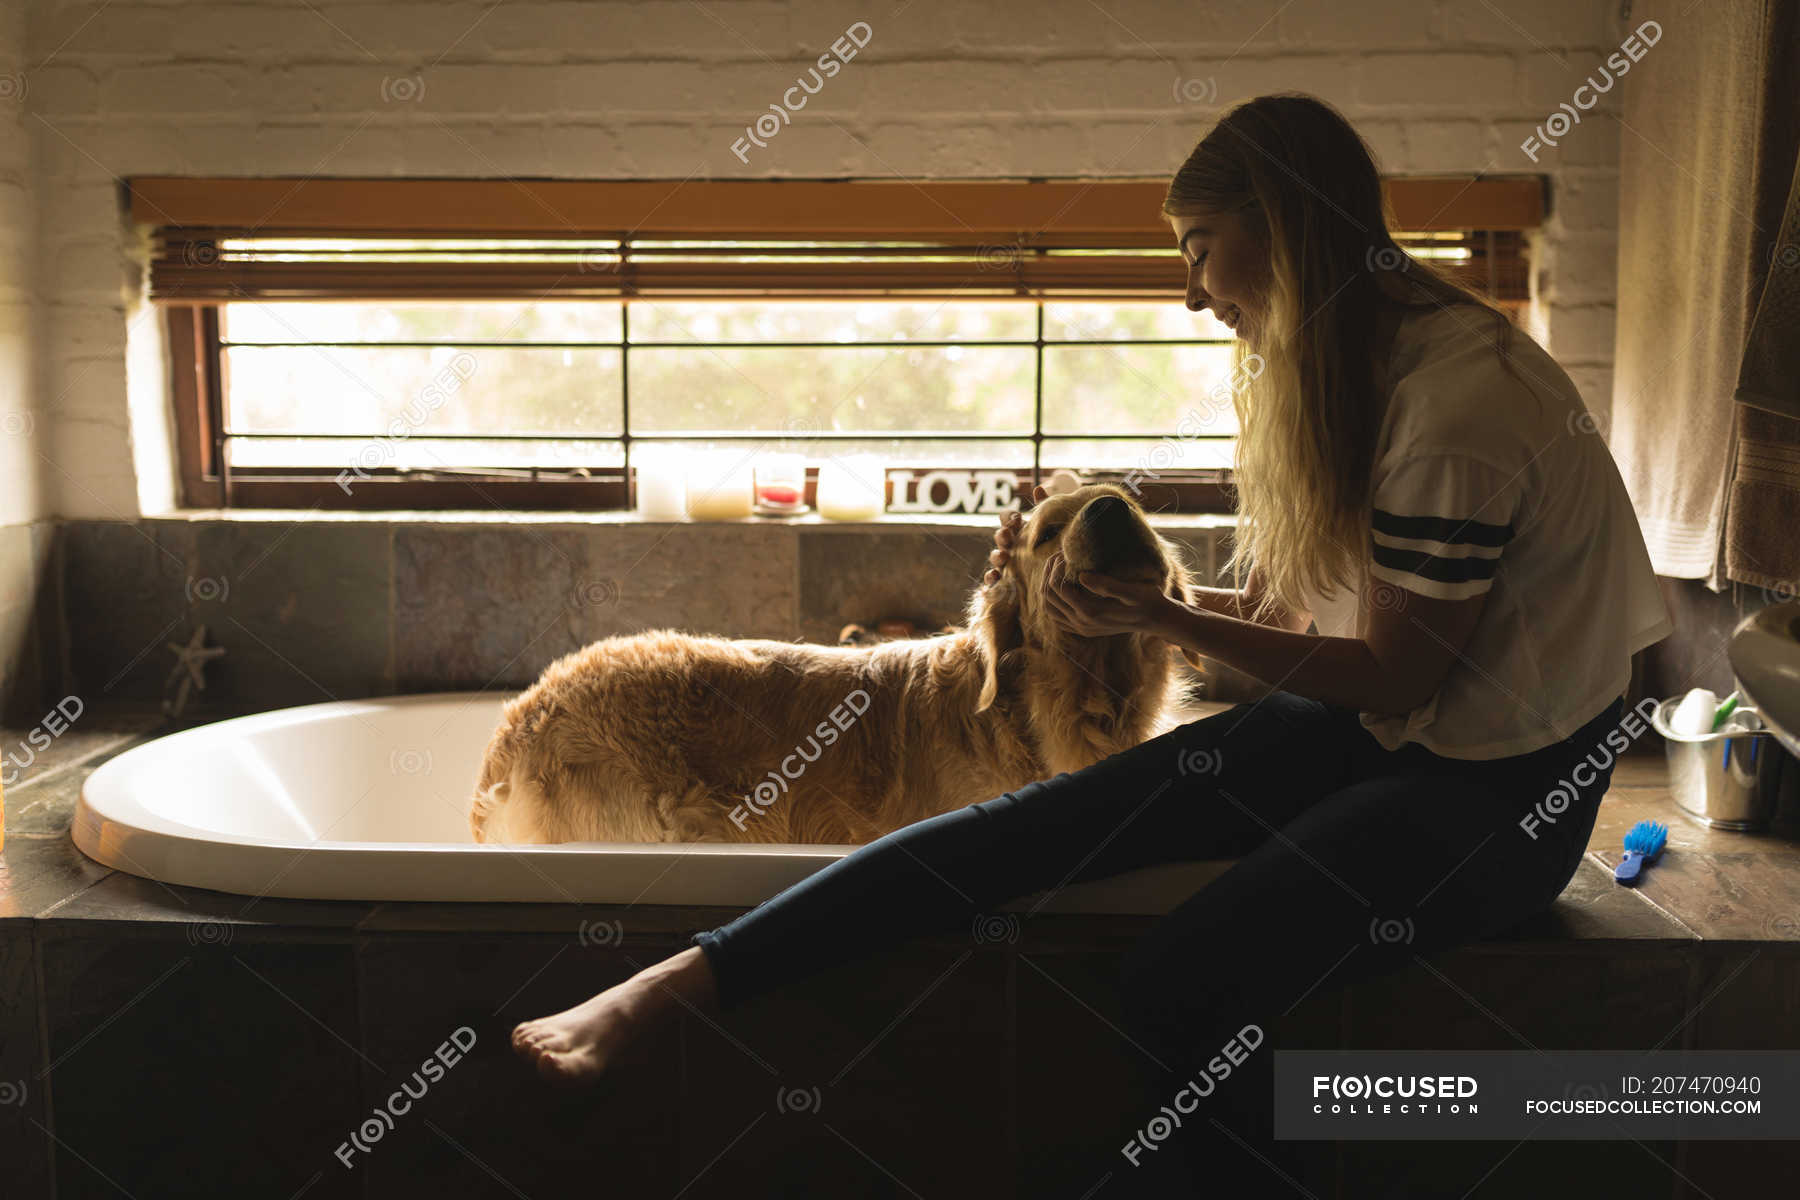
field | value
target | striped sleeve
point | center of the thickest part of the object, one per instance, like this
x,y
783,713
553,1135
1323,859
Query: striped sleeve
x,y
1440,524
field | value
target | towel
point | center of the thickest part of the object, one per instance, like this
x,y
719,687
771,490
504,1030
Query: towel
x,y
1764,507
1691,171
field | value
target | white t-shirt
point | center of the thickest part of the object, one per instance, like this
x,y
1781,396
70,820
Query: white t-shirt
x,y
1486,486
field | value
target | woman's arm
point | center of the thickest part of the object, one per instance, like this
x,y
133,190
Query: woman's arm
x,y
1232,602
1393,668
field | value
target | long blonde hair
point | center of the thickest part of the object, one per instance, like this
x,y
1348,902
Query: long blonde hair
x,y
1306,184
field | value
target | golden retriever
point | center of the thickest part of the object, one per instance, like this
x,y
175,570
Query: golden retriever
x,y
669,737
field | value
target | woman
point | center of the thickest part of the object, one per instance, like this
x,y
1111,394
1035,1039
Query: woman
x,y
1419,480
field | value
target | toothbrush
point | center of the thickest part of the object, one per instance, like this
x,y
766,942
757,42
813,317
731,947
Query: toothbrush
x,y
1724,710
1643,843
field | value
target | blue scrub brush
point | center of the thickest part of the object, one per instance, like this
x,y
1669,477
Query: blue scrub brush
x,y
1643,843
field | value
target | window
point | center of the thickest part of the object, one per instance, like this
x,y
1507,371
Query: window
x,y
471,344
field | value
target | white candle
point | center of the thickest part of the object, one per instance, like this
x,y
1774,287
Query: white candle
x,y
661,486
718,486
850,489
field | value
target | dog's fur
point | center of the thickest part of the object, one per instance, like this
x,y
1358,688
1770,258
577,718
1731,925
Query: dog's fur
x,y
666,737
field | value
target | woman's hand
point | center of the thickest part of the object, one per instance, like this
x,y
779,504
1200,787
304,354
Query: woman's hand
x,y
1010,524
1095,605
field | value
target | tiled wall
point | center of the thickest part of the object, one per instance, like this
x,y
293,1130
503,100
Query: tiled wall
x,y
661,89
31,663
327,609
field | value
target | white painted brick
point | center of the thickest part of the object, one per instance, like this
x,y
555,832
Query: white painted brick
x,y
1586,200
1446,146
665,150
1532,23
1388,141
84,151
1585,268
84,330
1445,82
89,389
1595,142
1545,83
72,32
1229,24
580,30
659,90
1332,23
957,87
92,476
61,87
17,205
816,144
1330,77
1595,385
15,145
177,88
1581,333
87,209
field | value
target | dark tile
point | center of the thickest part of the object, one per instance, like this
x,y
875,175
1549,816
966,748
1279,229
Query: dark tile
x,y
178,1066
1594,906
478,606
890,1077
1473,999
71,731
125,588
47,807
728,580
1477,999
301,608
490,1126
52,627
923,576
25,1148
1746,998
37,873
1086,1087
1422,1170
1080,1074
1743,998
205,914
23,670
600,924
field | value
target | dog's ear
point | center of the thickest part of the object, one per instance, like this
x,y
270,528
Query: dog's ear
x,y
995,617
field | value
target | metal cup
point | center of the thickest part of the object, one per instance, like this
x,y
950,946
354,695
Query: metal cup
x,y
1731,779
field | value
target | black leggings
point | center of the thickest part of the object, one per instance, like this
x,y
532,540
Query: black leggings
x,y
1351,859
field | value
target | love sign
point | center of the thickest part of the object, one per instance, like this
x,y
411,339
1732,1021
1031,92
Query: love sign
x,y
953,491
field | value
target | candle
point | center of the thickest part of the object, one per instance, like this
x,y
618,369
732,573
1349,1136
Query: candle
x,y
661,487
718,486
851,489
781,482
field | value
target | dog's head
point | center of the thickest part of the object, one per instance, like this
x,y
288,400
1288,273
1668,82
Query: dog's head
x,y
1098,528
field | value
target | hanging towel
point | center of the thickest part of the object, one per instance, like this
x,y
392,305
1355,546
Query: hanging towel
x,y
1690,168
1764,507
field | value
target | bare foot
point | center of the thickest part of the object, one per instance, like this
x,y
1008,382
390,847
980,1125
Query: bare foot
x,y
575,1046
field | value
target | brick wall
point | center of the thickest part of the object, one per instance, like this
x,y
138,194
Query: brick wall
x,y
662,89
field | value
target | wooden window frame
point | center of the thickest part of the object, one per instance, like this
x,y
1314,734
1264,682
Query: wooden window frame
x,y
978,217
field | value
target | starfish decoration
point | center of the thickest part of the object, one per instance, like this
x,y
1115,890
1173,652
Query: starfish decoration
x,y
191,658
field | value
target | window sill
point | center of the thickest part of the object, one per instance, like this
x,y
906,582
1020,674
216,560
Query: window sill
x,y
911,522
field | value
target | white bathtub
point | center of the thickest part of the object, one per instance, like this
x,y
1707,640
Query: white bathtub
x,y
367,800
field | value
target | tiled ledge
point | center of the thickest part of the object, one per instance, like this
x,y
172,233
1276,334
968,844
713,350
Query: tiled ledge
x,y
318,606
1002,1055
1715,887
